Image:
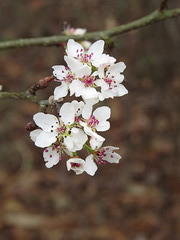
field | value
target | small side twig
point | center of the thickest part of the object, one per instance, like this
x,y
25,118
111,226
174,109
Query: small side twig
x,y
163,5
41,84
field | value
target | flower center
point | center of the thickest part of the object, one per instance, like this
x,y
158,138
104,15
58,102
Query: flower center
x,y
88,80
110,81
69,77
92,122
84,58
61,129
75,165
56,148
100,155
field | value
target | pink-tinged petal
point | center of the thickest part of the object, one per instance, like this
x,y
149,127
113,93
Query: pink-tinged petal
x,y
121,90
96,49
74,49
67,113
90,167
61,91
59,72
103,126
47,122
51,157
45,139
34,134
102,113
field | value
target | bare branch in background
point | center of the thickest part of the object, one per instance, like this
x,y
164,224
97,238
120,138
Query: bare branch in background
x,y
154,17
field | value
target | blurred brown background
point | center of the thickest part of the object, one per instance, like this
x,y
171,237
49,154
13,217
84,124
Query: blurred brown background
x,y
138,199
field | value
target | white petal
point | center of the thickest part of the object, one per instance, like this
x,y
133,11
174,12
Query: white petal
x,y
95,143
104,126
74,48
89,93
68,143
90,167
45,139
87,110
102,113
91,133
96,48
51,157
84,71
117,68
34,134
61,91
73,63
78,138
104,60
59,71
47,122
76,87
111,156
67,113
121,90
78,106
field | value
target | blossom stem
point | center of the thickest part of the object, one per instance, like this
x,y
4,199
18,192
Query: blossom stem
x,y
89,149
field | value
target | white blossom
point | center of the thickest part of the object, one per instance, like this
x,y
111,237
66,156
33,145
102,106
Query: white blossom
x,y
93,56
76,140
96,121
110,81
76,164
52,156
48,133
101,156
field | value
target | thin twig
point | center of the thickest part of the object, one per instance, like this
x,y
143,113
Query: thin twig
x,y
163,5
43,104
154,17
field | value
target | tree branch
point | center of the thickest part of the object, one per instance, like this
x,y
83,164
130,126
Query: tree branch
x,y
154,17
43,104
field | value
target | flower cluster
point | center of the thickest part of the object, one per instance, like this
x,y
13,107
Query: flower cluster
x,y
93,76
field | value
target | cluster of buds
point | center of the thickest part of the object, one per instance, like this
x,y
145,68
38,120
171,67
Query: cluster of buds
x,y
93,76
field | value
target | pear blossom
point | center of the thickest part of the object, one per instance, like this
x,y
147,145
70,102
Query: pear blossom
x,y
76,140
70,110
52,156
96,121
93,56
76,164
48,133
110,81
68,30
101,156
54,130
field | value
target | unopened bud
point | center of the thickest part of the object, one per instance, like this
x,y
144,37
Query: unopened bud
x,y
31,126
